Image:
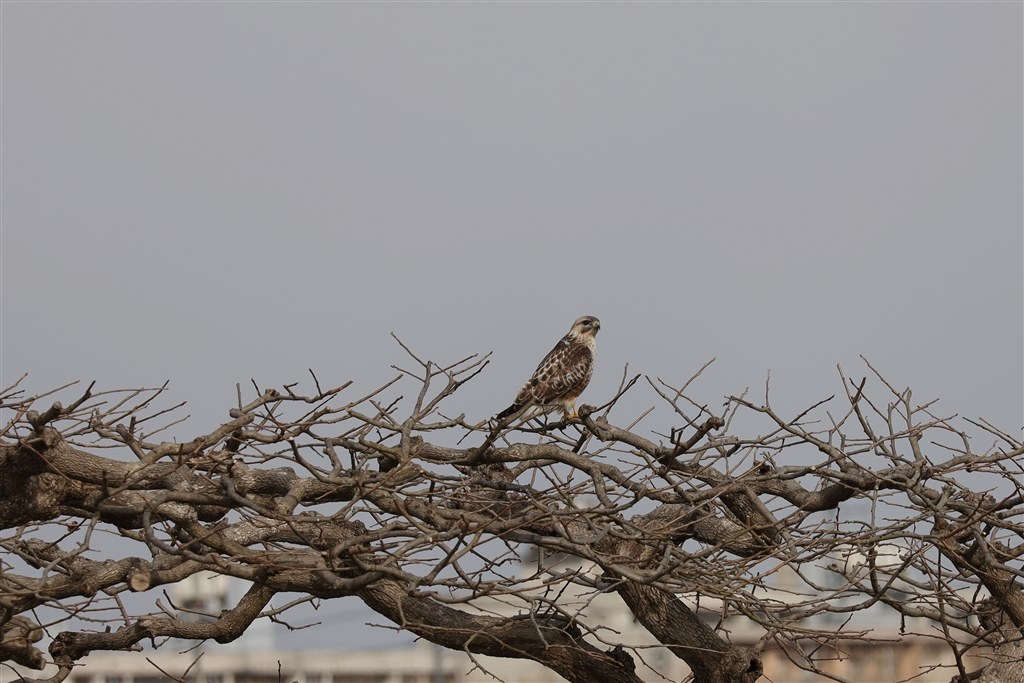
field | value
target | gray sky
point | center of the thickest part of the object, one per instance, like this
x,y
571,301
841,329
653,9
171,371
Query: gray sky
x,y
208,192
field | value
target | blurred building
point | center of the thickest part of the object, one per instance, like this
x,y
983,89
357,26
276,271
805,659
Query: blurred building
x,y
253,658
426,663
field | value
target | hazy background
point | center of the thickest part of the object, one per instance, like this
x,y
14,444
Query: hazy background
x,y
212,192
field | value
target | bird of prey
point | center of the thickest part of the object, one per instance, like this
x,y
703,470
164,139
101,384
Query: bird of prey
x,y
561,377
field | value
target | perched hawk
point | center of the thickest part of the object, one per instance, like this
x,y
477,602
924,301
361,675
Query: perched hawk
x,y
561,377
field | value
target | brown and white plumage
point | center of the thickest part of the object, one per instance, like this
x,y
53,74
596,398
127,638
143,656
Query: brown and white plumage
x,y
561,377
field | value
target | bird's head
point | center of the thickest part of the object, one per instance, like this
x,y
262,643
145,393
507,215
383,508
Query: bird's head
x,y
588,325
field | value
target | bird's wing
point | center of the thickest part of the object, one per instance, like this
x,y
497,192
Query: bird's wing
x,y
565,370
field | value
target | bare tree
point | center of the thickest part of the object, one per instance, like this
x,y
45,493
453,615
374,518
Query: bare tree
x,y
425,518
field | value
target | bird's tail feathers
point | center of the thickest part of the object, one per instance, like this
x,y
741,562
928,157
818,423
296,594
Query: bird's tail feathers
x,y
511,410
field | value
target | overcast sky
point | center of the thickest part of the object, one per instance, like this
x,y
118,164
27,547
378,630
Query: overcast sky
x,y
212,192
